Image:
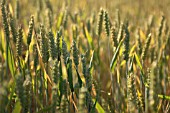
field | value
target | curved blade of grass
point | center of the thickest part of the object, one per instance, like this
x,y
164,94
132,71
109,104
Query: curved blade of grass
x,y
11,62
138,62
141,69
70,76
89,38
1,47
113,62
164,97
2,40
132,50
94,106
79,78
17,107
60,19
99,107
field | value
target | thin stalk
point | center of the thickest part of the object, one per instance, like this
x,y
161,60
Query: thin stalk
x,y
141,83
28,63
128,106
146,100
7,46
98,55
111,77
98,67
35,88
146,91
109,49
46,90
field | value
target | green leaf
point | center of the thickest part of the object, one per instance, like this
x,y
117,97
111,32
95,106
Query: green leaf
x,y
69,72
141,70
138,61
1,47
10,55
11,62
98,107
113,62
79,78
132,50
60,19
89,38
164,97
3,44
94,106
17,107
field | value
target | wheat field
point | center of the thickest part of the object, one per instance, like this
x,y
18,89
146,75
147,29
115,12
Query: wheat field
x,y
85,56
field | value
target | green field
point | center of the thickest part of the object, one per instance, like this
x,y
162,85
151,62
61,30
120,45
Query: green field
x,y
84,56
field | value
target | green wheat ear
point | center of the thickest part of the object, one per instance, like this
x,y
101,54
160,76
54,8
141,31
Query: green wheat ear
x,y
4,20
13,28
65,53
58,38
56,80
120,33
44,45
56,72
129,90
114,36
126,42
52,46
83,60
132,92
146,47
19,42
100,22
75,54
30,30
152,88
160,31
106,23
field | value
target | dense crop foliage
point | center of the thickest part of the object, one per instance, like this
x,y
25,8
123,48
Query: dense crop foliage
x,y
79,56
